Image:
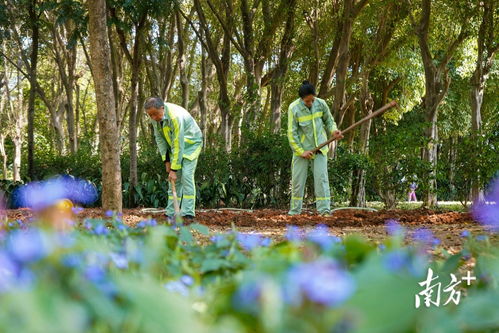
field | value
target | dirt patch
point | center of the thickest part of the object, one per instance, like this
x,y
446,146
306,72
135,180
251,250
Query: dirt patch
x,y
447,226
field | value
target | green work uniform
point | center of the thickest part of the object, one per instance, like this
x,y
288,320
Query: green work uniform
x,y
179,141
307,128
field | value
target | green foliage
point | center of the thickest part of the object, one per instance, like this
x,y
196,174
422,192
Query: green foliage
x,y
108,277
394,156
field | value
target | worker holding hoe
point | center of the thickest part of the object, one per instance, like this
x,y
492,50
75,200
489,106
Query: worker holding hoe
x,y
310,123
179,141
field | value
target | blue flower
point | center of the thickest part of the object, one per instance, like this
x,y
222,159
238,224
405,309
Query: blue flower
x,y
487,212
109,213
94,273
218,238
465,234
122,227
293,234
247,296
187,280
8,272
251,241
394,228
77,210
40,194
425,237
120,260
28,246
147,223
321,281
177,287
396,260
100,229
320,236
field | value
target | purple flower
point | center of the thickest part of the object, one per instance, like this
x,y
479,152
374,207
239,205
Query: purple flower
x,y
218,238
77,210
394,228
425,237
293,234
396,260
8,272
465,234
79,190
94,273
187,280
40,194
320,236
27,246
321,281
100,229
248,295
487,212
109,213
120,260
177,287
147,223
122,227
251,241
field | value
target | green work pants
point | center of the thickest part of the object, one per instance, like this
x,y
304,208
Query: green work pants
x,y
186,190
299,172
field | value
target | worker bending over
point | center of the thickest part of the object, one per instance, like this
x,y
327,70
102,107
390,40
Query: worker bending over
x,y
179,141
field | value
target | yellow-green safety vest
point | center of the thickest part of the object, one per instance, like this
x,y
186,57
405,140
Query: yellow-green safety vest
x,y
179,136
307,128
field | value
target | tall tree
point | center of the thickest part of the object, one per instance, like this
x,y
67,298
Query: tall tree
x,y
278,74
221,59
437,81
100,54
487,45
134,16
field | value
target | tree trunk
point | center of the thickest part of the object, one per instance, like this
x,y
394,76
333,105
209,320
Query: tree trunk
x,y
437,83
430,157
70,111
132,129
358,197
285,53
221,63
486,51
184,81
33,16
3,153
108,129
203,95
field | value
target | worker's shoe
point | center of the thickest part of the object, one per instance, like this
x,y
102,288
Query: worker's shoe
x,y
188,219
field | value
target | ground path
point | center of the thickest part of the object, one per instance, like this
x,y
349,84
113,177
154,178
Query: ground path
x,y
446,225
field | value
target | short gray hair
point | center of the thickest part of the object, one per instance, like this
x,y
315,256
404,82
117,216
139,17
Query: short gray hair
x,y
153,102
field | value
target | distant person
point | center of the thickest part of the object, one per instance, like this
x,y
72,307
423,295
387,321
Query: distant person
x,y
310,123
412,192
179,141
